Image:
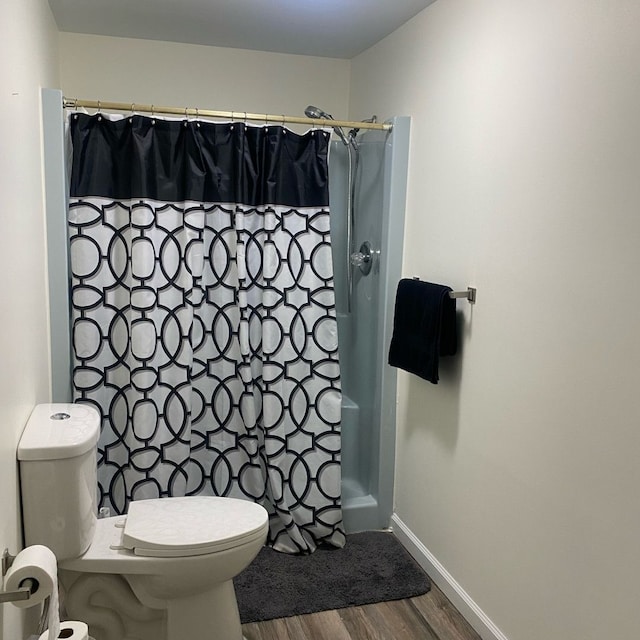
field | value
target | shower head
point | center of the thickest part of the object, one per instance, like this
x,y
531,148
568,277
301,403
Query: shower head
x,y
318,114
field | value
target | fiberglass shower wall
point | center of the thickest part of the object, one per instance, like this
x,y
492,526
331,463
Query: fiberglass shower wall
x,y
368,383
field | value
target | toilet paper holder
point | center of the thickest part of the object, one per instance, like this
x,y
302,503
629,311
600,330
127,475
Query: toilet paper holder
x,y
27,587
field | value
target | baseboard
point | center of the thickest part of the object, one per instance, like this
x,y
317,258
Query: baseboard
x,y
446,583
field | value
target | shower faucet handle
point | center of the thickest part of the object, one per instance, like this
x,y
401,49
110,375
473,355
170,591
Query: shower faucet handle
x,y
363,259
358,259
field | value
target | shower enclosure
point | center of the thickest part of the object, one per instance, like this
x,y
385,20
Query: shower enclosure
x,y
364,331
368,383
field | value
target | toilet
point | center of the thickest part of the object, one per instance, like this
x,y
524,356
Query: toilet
x,y
163,571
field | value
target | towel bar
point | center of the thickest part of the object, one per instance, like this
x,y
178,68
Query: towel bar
x,y
469,294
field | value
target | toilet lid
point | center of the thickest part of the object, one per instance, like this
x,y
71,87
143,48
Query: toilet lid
x,y
191,526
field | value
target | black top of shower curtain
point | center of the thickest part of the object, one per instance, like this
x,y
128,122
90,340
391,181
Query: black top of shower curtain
x,y
175,161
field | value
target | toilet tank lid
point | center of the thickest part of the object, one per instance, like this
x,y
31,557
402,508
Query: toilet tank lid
x,y
59,430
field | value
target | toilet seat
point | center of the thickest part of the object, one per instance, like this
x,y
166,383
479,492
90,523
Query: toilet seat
x,y
190,526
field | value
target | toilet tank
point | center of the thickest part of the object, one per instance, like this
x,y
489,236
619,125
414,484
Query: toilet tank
x,y
57,456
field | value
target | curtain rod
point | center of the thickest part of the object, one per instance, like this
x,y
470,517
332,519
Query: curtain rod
x,y
74,103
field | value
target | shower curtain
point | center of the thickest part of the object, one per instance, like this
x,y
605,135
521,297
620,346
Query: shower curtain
x,y
203,316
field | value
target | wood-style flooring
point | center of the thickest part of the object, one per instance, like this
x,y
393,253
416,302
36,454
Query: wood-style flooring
x,y
427,617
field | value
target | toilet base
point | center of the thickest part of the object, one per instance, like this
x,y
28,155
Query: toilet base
x,y
114,610
109,607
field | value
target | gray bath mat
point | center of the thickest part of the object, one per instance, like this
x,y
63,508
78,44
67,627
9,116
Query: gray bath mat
x,y
372,567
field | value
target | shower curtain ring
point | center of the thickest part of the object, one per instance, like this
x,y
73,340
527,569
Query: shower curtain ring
x,y
245,118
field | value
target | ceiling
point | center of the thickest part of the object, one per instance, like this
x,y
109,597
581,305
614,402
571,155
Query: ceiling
x,y
326,28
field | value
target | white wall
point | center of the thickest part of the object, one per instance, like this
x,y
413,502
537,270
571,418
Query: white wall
x,y
519,472
172,74
28,48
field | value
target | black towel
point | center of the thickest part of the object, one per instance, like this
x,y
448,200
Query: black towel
x,y
424,328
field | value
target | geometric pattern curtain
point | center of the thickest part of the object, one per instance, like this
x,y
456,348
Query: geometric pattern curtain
x,y
203,316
